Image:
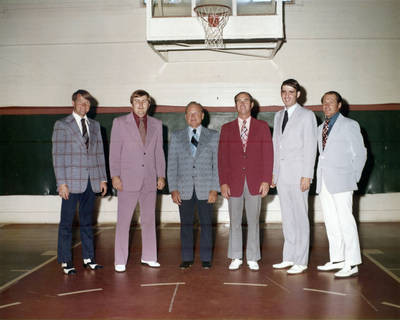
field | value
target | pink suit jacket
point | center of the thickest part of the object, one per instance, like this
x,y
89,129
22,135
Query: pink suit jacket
x,y
136,164
255,165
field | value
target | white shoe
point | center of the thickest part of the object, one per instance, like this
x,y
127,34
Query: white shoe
x,y
329,266
296,269
235,264
282,265
347,272
153,264
120,268
253,265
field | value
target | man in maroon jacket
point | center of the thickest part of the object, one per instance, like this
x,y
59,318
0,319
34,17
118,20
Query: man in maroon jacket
x,y
245,159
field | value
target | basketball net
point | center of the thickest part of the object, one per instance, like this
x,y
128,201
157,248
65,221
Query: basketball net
x,y
213,18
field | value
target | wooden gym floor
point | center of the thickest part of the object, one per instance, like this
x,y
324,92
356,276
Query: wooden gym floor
x,y
32,285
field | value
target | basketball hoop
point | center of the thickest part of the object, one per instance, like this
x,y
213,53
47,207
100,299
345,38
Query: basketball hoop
x,y
213,17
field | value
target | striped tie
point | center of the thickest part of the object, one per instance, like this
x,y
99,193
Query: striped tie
x,y
325,130
244,135
85,134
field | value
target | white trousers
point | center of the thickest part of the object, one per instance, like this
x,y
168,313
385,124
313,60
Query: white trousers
x,y
341,227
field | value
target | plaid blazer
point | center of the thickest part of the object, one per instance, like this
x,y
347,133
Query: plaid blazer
x,y
73,163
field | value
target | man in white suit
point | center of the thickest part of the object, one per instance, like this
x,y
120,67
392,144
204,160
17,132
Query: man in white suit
x,y
341,161
295,147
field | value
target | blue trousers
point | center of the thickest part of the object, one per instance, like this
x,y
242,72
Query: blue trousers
x,y
186,211
68,210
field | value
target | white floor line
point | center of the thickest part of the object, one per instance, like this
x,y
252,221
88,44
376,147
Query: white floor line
x,y
367,301
367,252
78,292
324,291
19,270
161,284
9,305
246,284
10,283
390,304
173,297
277,284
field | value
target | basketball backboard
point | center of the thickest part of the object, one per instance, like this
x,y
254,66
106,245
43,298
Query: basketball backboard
x,y
254,29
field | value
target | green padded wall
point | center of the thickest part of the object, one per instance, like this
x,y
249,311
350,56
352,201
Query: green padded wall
x,y
26,163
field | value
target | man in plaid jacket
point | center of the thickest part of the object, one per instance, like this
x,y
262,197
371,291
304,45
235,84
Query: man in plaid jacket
x,y
79,166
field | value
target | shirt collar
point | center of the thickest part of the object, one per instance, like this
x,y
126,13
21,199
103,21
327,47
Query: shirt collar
x,y
78,117
291,109
247,121
198,131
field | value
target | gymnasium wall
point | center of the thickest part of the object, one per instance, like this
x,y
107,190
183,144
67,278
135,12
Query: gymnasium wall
x,y
48,49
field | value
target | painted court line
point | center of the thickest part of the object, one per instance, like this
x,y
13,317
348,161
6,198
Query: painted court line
x,y
19,270
78,292
173,297
367,301
9,305
246,284
161,284
277,284
390,304
324,291
368,252
10,283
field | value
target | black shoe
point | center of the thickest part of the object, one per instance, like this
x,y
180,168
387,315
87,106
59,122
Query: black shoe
x,y
206,264
68,268
186,264
91,263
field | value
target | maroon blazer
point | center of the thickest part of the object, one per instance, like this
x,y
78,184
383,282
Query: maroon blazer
x,y
136,164
255,164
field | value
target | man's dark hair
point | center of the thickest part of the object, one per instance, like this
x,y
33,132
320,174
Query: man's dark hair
x,y
244,92
85,94
291,83
336,94
139,93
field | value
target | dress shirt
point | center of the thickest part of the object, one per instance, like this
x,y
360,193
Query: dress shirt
x,y
291,109
332,121
137,120
79,123
247,124
198,132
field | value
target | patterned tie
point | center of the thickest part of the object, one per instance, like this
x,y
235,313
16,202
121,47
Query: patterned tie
x,y
285,120
325,129
85,134
194,142
142,130
244,135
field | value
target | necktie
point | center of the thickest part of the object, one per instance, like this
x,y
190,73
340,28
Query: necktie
x,y
142,130
325,129
244,134
285,120
85,134
194,142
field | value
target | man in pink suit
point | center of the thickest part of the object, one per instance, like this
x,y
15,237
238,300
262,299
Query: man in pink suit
x,y
137,167
245,159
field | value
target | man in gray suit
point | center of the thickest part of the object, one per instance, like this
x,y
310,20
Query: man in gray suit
x,y
341,161
78,160
193,180
295,147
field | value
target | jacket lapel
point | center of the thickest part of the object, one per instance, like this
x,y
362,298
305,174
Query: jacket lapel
x,y
334,131
75,130
151,129
204,136
92,133
185,141
133,129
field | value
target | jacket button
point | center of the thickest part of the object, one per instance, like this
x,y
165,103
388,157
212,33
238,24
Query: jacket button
x,y
142,165
194,167
243,168
144,153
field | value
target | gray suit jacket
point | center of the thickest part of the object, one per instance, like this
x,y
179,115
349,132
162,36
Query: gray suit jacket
x,y
73,163
343,159
294,150
186,172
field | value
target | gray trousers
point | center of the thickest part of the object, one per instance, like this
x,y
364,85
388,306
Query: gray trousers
x,y
253,206
295,224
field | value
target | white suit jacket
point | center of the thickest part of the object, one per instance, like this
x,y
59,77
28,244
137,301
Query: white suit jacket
x,y
294,150
343,159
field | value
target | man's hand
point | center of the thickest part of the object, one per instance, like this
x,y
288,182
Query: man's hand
x,y
63,191
103,188
305,184
225,191
273,184
212,196
160,183
264,188
176,197
117,183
